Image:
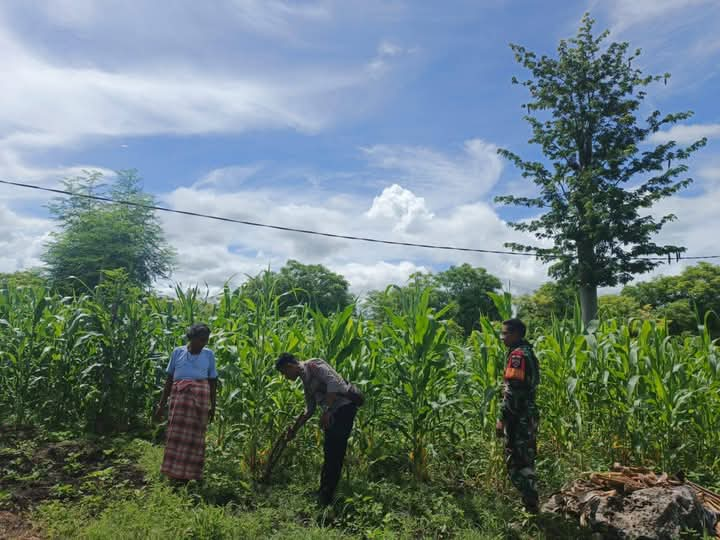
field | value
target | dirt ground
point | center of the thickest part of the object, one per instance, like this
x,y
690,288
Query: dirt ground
x,y
36,467
17,527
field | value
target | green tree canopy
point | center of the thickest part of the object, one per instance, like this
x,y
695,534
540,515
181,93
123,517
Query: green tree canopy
x,y
95,236
306,284
465,288
682,299
22,278
601,176
551,299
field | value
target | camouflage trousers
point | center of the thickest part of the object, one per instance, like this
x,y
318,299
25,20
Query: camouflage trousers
x,y
520,450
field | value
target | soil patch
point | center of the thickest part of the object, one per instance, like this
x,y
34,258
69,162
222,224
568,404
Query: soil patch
x,y
17,527
34,468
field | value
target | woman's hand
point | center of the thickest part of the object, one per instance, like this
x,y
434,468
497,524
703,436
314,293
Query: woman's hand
x,y
500,429
159,411
211,413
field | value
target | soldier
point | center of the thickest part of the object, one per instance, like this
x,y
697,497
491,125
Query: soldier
x,y
519,416
338,400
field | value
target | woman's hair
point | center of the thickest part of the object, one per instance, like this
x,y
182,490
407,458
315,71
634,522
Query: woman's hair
x,y
198,330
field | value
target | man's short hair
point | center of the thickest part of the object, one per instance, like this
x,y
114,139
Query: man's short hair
x,y
516,325
284,359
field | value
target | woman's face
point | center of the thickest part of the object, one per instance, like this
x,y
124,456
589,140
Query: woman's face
x,y
198,343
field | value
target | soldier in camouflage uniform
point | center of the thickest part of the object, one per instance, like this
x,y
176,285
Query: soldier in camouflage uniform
x,y
519,416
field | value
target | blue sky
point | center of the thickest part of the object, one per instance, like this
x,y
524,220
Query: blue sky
x,y
361,117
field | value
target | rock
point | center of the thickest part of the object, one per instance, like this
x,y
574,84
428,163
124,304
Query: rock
x,y
654,512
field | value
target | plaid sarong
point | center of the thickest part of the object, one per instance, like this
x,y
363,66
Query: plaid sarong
x,y
185,441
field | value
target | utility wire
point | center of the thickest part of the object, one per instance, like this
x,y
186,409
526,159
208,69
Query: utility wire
x,y
307,231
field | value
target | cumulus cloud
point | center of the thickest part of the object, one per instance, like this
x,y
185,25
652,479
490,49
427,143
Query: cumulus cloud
x,y
401,207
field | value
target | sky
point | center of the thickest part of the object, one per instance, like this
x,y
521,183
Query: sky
x,y
359,117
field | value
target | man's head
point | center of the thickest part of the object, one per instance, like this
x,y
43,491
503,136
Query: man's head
x,y
513,332
288,365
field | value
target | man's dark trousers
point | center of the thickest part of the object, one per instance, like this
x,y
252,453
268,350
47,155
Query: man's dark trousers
x,y
335,446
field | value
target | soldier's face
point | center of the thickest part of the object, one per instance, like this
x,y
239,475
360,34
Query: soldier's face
x,y
509,337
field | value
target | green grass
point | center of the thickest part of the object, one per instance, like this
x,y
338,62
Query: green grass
x,y
284,509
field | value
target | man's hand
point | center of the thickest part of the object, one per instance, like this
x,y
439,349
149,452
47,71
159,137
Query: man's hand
x,y
326,420
211,413
500,429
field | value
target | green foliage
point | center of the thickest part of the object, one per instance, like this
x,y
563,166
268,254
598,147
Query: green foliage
x,y
552,300
625,391
596,184
25,278
95,236
682,299
300,284
465,289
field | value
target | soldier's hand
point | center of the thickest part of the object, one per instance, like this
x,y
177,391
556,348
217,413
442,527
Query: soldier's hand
x,y
326,420
500,429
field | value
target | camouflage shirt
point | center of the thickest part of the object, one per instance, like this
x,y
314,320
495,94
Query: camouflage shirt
x,y
319,378
521,379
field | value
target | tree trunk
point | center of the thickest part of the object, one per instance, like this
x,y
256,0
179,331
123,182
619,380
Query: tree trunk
x,y
588,303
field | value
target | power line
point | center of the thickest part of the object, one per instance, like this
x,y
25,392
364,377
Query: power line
x,y
308,231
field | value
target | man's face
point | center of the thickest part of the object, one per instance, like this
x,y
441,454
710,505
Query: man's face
x,y
510,338
290,371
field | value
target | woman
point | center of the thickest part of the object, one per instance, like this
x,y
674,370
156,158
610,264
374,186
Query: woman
x,y
191,385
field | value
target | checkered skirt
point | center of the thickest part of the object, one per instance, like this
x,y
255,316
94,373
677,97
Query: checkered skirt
x,y
185,440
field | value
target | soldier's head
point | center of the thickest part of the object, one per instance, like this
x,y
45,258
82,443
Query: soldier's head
x,y
288,365
513,332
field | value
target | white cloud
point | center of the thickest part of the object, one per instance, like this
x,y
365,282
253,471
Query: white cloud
x,y
687,133
710,173
228,177
401,207
52,102
376,276
629,13
278,18
21,240
449,179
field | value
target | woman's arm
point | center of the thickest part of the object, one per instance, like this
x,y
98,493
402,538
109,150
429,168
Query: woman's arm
x,y
160,409
213,398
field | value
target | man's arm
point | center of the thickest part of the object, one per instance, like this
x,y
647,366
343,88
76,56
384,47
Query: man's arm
x,y
300,421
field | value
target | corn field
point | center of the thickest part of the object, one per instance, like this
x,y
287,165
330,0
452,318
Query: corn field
x,y
624,391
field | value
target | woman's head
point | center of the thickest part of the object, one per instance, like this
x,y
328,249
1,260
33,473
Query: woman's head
x,y
198,336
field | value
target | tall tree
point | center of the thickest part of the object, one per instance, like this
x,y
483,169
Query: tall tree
x,y
307,284
597,186
95,236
